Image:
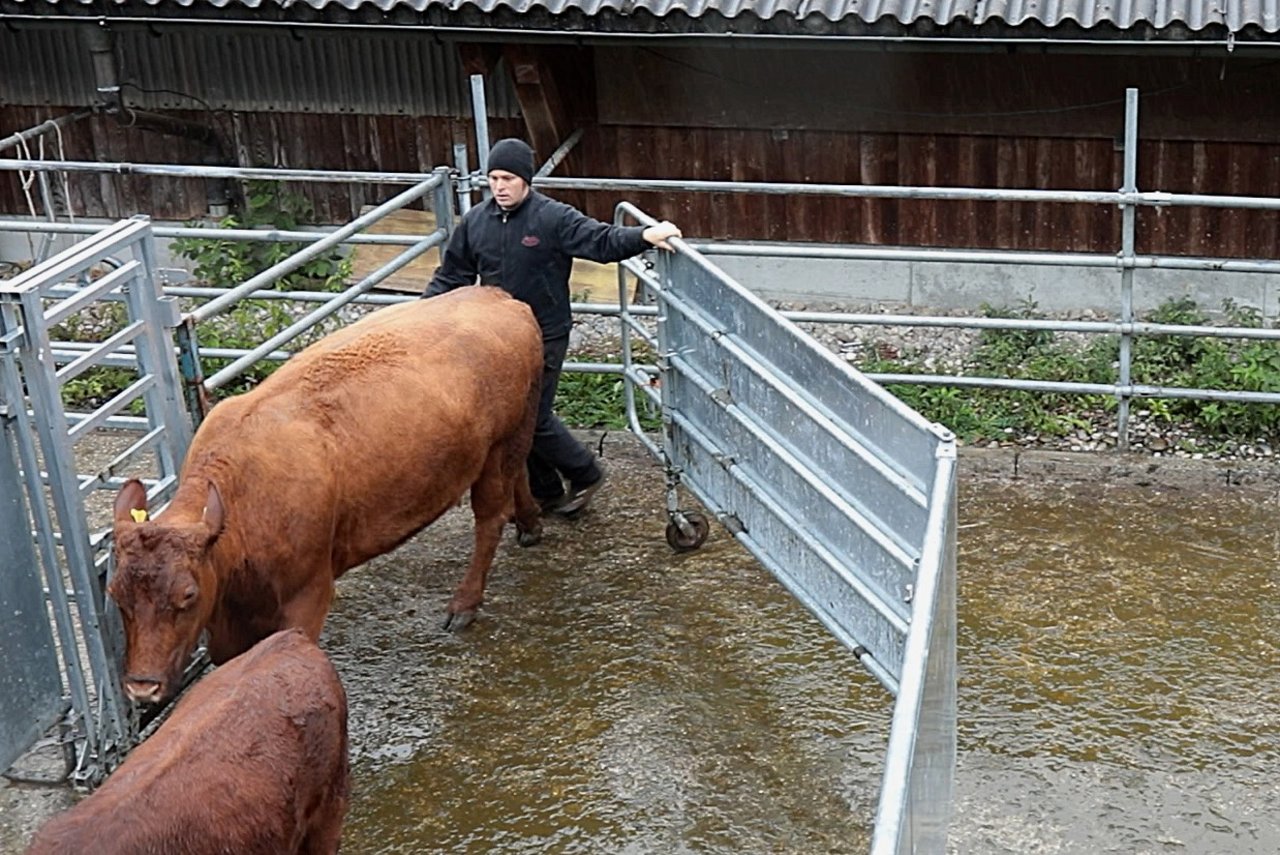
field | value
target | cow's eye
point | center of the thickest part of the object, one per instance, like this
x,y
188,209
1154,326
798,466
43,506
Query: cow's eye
x,y
187,598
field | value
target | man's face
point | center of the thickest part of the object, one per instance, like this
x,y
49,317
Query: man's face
x,y
508,188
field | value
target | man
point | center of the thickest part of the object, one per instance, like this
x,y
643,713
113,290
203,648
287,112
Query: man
x,y
525,242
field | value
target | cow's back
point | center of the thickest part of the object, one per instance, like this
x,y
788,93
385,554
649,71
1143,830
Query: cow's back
x,y
379,427
252,760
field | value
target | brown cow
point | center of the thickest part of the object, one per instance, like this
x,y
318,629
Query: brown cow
x,y
252,760
346,451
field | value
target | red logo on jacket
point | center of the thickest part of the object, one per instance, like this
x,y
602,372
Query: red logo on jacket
x,y
530,241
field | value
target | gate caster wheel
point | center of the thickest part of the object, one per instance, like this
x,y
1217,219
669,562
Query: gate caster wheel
x,y
681,542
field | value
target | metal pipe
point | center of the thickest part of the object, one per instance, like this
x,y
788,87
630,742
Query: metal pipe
x,y
557,156
948,256
101,42
817,252
463,188
774,188
44,127
193,171
298,259
1128,248
305,323
480,113
1096,327
260,235
863,191
1069,388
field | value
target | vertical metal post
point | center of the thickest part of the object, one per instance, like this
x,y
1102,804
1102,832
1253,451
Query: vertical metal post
x,y
38,366
192,372
464,177
480,112
1128,245
442,201
46,197
28,457
667,377
160,313
624,334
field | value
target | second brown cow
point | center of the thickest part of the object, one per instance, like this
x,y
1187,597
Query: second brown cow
x,y
345,452
253,760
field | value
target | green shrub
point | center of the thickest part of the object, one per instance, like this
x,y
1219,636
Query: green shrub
x,y
225,263
1167,360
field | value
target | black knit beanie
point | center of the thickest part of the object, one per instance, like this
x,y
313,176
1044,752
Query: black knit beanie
x,y
514,156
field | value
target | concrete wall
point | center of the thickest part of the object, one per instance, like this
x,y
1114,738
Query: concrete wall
x,y
918,285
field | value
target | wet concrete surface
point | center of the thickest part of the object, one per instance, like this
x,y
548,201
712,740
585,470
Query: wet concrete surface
x,y
1118,649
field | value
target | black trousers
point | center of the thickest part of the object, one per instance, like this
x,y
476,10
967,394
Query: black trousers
x,y
556,455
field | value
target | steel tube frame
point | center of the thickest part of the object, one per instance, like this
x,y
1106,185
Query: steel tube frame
x,y
31,133
722,459
177,170
298,259
944,256
314,317
261,235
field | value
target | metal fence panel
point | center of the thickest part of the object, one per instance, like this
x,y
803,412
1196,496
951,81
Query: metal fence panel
x,y
844,493
824,471
30,681
919,776
117,266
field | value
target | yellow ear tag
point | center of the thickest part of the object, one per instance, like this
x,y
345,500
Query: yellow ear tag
x,y
139,514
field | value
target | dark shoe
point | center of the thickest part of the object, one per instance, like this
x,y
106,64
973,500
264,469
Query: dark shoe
x,y
579,497
551,504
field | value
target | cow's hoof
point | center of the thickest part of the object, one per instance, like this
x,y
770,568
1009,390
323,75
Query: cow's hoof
x,y
458,621
529,537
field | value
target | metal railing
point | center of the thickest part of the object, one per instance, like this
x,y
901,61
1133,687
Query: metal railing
x,y
841,491
903,631
158,347
73,561
1126,261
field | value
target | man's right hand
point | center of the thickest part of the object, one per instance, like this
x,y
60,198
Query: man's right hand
x,y
658,235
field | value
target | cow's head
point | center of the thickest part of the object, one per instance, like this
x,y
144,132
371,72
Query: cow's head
x,y
165,587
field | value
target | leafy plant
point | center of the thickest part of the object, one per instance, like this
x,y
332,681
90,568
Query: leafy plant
x,y
1165,360
227,263
599,400
266,205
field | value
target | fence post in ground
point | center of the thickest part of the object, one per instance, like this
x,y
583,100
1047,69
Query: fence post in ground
x,y
1128,227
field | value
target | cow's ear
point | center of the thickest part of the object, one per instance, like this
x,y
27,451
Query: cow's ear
x,y
131,502
214,516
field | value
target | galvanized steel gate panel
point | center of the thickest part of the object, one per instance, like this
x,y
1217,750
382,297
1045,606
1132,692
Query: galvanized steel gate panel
x,y
116,265
842,491
30,680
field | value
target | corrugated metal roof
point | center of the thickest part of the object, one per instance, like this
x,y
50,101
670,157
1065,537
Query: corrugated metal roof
x,y
1194,15
357,72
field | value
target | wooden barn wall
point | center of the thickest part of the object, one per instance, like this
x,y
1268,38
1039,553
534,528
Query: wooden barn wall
x,y
284,140
942,160
1019,120
880,118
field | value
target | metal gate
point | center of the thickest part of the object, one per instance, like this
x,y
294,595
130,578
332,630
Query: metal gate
x,y
846,495
43,492
842,491
30,686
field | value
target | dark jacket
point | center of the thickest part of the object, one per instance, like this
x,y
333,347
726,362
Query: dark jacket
x,y
529,253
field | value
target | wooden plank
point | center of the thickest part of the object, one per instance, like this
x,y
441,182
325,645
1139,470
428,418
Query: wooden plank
x,y
539,95
413,277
